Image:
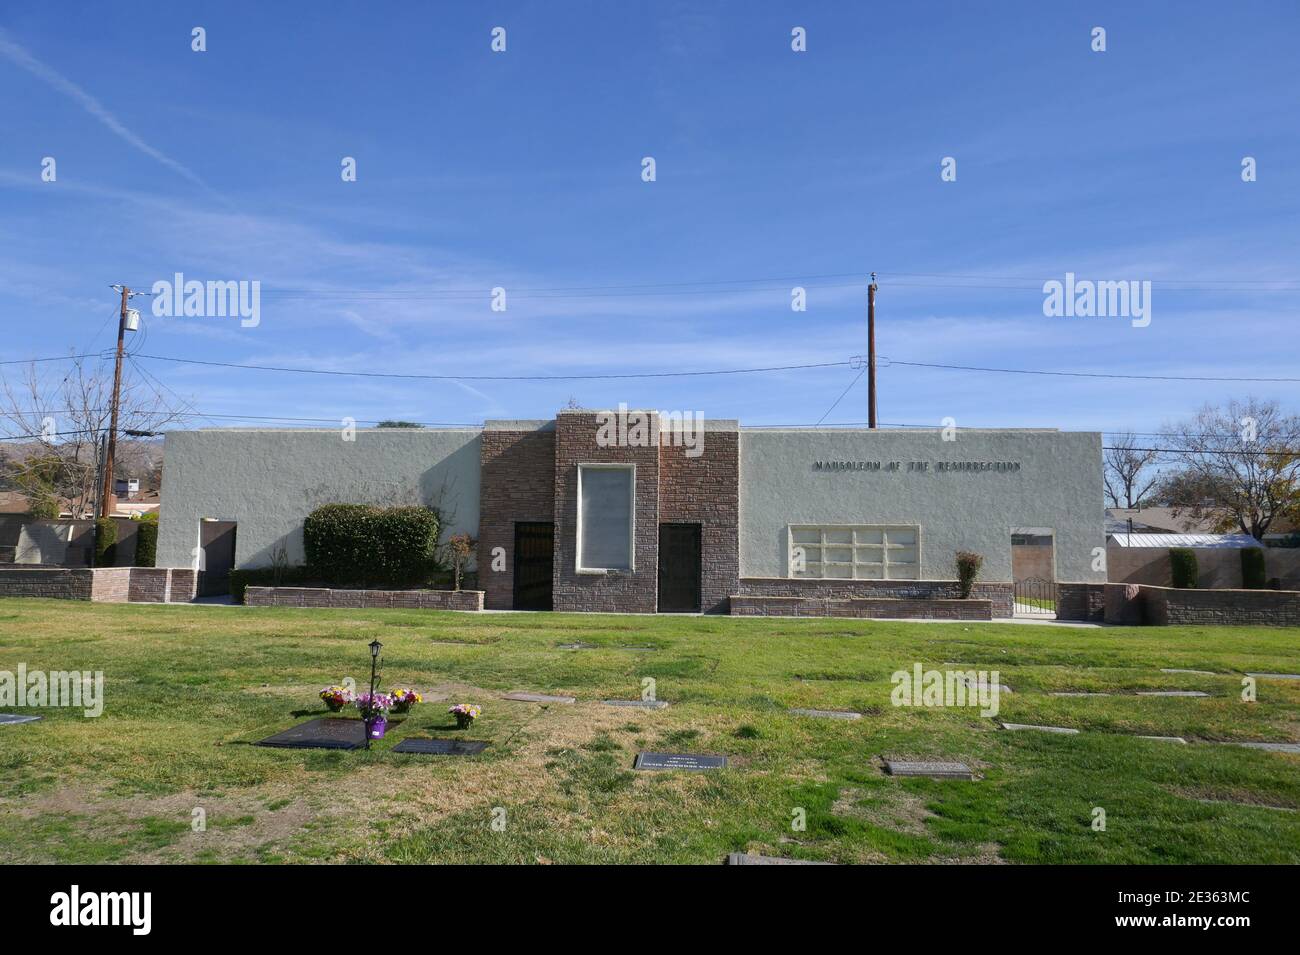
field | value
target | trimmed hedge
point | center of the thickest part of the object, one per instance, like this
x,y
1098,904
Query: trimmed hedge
x,y
105,542
360,544
1182,562
146,542
1252,568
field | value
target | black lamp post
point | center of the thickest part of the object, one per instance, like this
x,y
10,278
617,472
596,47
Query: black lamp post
x,y
375,647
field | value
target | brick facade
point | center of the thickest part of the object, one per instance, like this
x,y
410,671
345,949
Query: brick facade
x,y
998,595
705,490
517,483
471,600
634,591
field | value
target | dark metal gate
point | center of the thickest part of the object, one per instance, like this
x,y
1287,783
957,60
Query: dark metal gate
x,y
679,568
1035,596
534,558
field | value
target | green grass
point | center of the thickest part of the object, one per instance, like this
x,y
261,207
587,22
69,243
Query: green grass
x,y
189,689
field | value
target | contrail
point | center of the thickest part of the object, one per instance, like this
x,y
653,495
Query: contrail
x,y
91,105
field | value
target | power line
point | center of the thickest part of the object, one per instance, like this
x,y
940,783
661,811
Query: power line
x,y
1081,374
387,374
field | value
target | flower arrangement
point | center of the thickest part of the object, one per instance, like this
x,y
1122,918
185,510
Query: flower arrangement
x,y
337,697
373,707
466,714
404,698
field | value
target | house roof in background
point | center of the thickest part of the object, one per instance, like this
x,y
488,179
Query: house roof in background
x,y
1204,541
1159,520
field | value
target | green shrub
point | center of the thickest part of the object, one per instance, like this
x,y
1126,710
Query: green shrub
x,y
362,545
968,568
43,507
146,541
1182,562
1252,568
105,542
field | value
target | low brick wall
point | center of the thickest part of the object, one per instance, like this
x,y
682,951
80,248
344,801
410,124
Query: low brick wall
x,y
1000,596
1081,601
1237,608
876,608
363,599
62,583
110,584
99,584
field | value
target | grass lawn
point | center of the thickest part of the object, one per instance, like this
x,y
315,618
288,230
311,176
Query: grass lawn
x,y
189,689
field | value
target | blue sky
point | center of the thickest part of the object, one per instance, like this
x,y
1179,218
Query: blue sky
x,y
523,170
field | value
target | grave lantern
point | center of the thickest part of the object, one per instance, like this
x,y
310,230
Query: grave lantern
x,y
375,647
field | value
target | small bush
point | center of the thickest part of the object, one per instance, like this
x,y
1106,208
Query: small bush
x,y
105,542
1252,568
968,568
361,545
43,507
146,541
1182,562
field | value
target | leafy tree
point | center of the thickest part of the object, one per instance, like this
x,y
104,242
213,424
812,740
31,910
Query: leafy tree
x,y
1238,467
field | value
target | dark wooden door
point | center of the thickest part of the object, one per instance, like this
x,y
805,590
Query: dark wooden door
x,y
679,568
217,538
534,555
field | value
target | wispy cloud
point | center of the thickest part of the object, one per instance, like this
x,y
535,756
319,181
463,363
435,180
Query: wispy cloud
x,y
18,55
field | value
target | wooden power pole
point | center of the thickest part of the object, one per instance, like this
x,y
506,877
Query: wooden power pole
x,y
106,489
871,352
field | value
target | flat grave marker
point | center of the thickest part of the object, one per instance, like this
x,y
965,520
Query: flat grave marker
x,y
1273,747
538,698
1171,693
749,858
326,733
688,761
14,719
577,646
828,714
441,747
1044,729
1275,676
1248,805
642,704
1079,694
929,770
1165,739
1197,672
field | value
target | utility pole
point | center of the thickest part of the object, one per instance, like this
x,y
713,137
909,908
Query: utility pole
x,y
106,489
871,352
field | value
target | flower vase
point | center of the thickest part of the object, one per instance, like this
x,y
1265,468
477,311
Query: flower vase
x,y
376,727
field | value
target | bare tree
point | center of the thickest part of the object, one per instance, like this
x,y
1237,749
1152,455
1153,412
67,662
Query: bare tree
x,y
1239,466
1129,471
59,412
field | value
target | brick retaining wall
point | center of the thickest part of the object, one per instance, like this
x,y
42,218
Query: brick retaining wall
x,y
743,605
363,599
1081,601
1236,608
999,595
100,584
